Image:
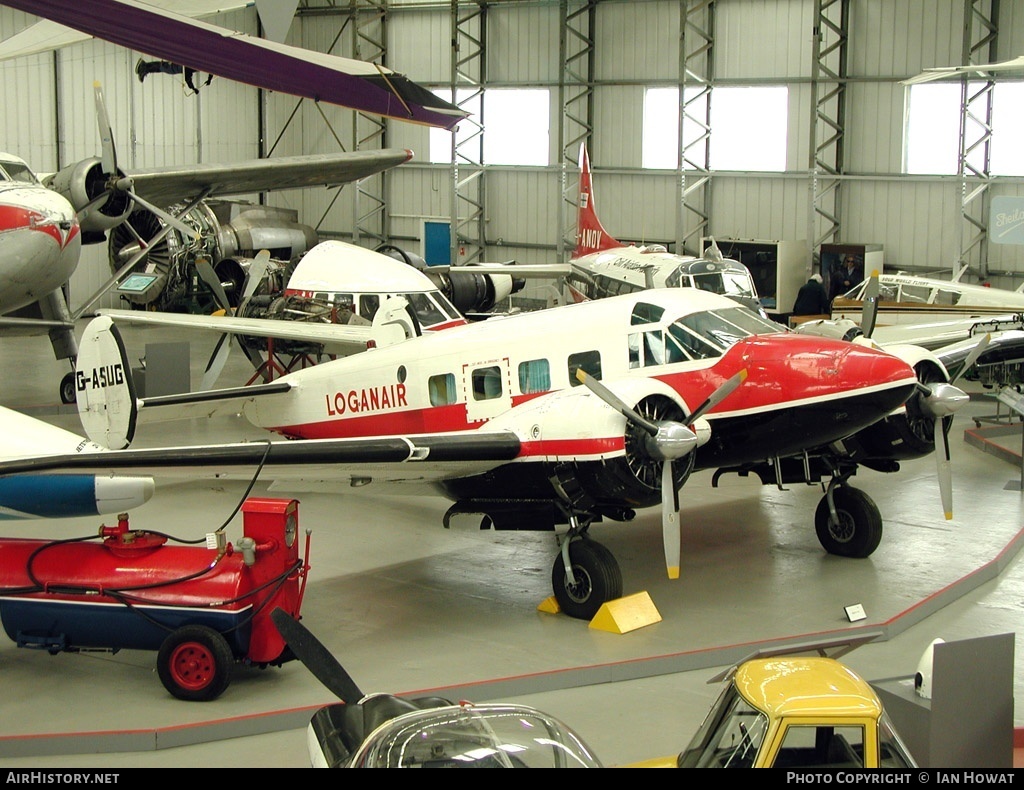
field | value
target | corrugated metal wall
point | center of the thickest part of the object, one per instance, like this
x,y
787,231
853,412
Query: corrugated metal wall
x,y
51,120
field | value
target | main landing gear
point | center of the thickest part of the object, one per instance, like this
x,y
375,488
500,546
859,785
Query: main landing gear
x,y
585,574
847,521
67,388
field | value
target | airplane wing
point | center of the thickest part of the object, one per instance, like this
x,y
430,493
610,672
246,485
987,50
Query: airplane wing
x,y
336,338
359,461
978,71
47,35
511,269
362,86
168,185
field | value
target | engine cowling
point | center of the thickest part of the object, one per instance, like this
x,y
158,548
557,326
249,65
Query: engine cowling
x,y
83,182
470,293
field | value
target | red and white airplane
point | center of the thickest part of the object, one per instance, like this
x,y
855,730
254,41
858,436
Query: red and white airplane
x,y
568,415
603,266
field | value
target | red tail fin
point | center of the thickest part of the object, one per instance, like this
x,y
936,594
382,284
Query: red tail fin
x,y
590,234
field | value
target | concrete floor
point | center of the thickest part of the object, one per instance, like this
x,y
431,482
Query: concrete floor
x,y
409,607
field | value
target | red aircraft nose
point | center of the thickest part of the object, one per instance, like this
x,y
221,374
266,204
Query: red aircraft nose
x,y
800,368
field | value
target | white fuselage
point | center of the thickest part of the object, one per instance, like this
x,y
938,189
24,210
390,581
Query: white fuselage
x,y
906,299
40,241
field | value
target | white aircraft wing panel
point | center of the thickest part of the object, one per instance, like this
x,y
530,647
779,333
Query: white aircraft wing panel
x,y
336,338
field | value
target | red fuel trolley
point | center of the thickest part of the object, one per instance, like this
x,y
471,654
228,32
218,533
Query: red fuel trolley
x,y
204,608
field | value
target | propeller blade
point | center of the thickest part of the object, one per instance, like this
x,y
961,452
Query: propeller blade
x,y
615,402
945,469
109,153
257,271
869,312
218,359
205,269
724,390
92,205
670,520
317,658
166,216
973,356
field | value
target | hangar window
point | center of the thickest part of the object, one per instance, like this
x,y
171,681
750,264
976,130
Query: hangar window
x,y
931,139
534,376
748,128
517,132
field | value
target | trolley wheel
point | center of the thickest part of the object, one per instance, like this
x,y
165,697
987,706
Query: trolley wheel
x,y
598,579
194,663
67,388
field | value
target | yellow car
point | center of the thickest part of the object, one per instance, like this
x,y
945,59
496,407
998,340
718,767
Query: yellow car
x,y
793,713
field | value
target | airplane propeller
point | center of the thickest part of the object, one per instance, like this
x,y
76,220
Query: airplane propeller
x,y
869,310
317,658
939,400
253,278
936,400
116,183
666,441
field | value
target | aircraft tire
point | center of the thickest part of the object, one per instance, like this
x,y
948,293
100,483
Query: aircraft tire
x,y
194,663
67,388
859,530
598,579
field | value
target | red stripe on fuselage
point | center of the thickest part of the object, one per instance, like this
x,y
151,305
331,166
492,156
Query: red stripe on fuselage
x,y
21,218
783,371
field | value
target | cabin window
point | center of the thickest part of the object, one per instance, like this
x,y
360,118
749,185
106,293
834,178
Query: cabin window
x,y
534,376
693,344
634,350
427,313
442,389
16,171
674,350
369,304
714,327
948,298
487,383
654,348
750,321
915,293
589,361
645,313
678,279
829,747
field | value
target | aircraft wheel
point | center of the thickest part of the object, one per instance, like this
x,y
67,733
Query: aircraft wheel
x,y
194,663
859,530
67,388
598,579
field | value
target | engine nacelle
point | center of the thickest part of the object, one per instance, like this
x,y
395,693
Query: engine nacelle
x,y
470,293
83,182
